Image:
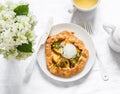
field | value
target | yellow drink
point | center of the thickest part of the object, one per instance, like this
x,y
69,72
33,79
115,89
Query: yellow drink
x,y
85,3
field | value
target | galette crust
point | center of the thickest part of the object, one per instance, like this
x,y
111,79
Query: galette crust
x,y
66,72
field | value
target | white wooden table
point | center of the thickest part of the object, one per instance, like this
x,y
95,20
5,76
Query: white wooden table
x,y
107,12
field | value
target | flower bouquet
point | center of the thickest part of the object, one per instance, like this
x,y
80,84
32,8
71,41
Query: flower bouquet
x,y
16,31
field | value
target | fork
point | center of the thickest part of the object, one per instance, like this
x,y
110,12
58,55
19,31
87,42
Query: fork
x,y
104,75
88,26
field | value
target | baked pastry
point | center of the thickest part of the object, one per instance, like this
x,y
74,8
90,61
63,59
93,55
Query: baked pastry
x,y
59,65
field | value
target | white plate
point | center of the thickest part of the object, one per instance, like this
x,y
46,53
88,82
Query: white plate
x,y
82,35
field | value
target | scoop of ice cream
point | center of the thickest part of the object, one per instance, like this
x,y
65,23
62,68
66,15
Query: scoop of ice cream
x,y
69,51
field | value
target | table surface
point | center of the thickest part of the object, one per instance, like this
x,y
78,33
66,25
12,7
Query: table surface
x,y
11,75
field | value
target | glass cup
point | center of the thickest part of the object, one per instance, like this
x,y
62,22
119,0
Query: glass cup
x,y
84,5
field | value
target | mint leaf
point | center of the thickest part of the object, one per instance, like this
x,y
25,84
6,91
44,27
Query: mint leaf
x,y
25,47
21,10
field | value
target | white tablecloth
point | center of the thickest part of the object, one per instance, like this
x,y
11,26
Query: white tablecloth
x,y
11,75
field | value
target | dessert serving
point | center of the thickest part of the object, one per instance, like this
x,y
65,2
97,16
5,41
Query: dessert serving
x,y
66,55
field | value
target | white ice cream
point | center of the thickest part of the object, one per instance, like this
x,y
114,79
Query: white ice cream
x,y
69,51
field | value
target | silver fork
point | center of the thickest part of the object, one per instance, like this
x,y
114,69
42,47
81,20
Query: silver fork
x,y
104,75
88,26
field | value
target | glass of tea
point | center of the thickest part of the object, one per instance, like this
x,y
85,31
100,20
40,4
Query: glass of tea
x,y
85,5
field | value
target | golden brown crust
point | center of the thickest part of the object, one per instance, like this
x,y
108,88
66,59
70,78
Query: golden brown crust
x,y
68,37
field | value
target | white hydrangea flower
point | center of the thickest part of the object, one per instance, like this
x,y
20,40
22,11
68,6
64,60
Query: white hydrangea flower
x,y
15,31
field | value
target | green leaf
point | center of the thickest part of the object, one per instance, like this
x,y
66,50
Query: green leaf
x,y
21,10
1,51
25,47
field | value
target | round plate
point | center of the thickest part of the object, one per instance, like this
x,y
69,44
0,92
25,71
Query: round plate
x,y
82,35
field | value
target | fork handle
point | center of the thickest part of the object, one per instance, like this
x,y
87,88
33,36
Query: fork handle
x,y
102,69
